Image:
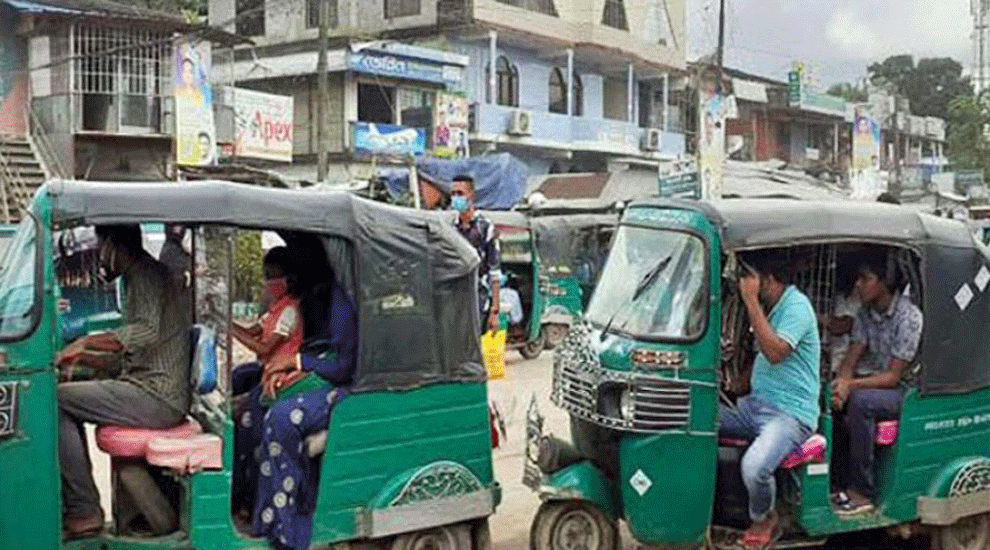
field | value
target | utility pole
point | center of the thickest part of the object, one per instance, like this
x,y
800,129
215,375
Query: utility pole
x,y
720,52
323,92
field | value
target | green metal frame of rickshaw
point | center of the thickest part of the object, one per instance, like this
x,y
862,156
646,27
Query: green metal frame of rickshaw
x,y
553,260
643,402
406,459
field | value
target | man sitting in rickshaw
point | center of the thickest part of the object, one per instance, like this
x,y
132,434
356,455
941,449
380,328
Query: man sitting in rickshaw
x,y
782,408
152,390
870,384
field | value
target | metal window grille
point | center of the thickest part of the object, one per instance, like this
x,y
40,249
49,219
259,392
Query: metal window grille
x,y
615,15
546,7
401,8
112,60
250,17
313,13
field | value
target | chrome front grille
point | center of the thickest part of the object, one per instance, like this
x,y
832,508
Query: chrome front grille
x,y
587,390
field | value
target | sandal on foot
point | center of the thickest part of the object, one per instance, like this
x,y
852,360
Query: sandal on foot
x,y
762,542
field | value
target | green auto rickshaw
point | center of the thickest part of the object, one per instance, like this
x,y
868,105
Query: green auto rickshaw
x,y
406,460
552,263
665,341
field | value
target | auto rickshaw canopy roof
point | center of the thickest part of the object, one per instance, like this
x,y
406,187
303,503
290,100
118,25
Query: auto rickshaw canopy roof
x,y
410,274
955,268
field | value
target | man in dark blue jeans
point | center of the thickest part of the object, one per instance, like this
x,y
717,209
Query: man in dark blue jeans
x,y
870,386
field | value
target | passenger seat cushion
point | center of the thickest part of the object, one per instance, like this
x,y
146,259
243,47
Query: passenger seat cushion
x,y
126,442
886,432
812,450
187,454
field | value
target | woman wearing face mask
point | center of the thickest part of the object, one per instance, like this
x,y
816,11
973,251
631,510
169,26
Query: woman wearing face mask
x,y
275,338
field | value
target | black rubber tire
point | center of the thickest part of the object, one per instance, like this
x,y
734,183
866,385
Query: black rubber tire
x,y
532,349
445,537
148,497
969,533
557,525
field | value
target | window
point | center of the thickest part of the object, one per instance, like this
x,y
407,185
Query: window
x,y
545,7
401,8
506,82
376,104
577,96
615,15
18,277
416,107
313,13
250,17
121,91
558,92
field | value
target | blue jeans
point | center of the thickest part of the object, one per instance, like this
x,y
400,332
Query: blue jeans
x,y
774,436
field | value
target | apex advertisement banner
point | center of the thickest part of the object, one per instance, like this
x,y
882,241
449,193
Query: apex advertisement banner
x,y
263,125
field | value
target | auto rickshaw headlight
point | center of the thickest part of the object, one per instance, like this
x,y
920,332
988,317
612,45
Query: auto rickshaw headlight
x,y
627,405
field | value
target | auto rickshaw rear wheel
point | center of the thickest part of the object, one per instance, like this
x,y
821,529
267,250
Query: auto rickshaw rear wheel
x,y
554,333
572,525
532,349
969,533
446,537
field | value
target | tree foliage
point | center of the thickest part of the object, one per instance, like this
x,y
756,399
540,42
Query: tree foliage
x,y
930,86
189,8
967,138
850,92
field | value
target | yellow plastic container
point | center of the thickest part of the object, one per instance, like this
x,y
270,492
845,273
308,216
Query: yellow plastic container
x,y
493,348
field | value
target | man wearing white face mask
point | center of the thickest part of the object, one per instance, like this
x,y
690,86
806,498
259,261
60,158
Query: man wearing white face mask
x,y
151,351
480,232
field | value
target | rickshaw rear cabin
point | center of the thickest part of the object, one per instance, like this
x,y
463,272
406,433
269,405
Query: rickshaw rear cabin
x,y
642,382
405,461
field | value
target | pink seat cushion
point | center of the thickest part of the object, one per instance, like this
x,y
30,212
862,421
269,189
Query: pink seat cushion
x,y
812,450
886,432
186,454
127,442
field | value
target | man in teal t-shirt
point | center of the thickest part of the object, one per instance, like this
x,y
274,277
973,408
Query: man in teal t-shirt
x,y
782,409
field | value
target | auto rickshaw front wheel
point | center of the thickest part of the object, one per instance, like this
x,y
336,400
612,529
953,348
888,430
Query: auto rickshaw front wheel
x,y
532,349
446,537
968,533
572,525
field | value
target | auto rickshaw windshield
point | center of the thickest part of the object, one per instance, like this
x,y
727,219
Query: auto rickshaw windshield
x,y
17,280
653,285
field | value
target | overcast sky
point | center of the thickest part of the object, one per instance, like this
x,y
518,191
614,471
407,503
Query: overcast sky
x,y
839,38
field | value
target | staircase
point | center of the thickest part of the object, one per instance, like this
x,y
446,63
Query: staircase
x,y
21,174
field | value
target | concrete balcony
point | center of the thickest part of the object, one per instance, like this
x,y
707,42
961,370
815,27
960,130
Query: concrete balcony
x,y
492,123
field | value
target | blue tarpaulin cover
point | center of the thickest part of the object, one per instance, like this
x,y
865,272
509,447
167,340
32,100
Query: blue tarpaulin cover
x,y
499,180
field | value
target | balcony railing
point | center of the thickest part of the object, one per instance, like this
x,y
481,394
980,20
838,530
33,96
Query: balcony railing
x,y
572,132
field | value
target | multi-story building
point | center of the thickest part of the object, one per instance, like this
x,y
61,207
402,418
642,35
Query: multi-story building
x,y
564,85
85,92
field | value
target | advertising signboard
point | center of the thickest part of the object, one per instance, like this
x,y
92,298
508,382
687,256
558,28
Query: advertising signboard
x,y
263,125
195,132
388,139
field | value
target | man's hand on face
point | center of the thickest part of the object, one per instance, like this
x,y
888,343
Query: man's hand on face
x,y
749,286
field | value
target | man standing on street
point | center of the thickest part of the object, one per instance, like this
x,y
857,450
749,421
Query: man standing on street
x,y
480,232
782,409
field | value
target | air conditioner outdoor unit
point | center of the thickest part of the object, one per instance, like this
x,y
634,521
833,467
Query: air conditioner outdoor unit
x,y
521,124
652,140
